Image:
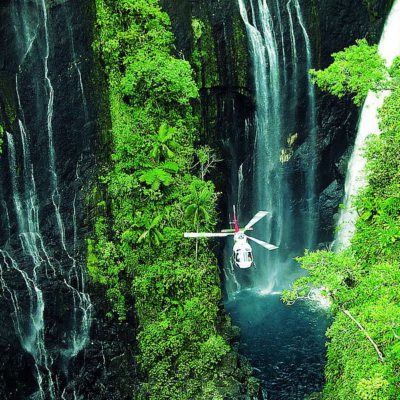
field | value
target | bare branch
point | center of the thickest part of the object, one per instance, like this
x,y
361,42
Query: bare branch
x,y
380,354
210,164
207,160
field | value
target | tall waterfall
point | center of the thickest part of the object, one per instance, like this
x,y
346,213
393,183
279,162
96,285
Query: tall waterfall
x,y
389,48
284,164
41,269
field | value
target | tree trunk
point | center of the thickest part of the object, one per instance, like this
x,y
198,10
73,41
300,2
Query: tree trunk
x,y
197,240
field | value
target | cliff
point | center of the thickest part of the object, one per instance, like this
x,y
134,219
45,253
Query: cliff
x,y
54,338
221,56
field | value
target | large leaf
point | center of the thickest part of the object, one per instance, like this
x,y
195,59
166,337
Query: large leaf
x,y
156,177
170,166
166,133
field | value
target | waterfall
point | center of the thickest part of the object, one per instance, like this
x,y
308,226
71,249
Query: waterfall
x,y
40,262
240,187
389,48
50,108
30,328
76,63
285,111
310,162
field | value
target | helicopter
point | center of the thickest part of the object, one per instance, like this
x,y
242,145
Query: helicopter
x,y
242,251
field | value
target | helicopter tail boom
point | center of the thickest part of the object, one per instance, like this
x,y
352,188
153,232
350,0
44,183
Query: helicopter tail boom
x,y
235,223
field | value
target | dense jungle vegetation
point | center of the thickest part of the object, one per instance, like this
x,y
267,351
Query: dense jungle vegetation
x,y
154,191
363,282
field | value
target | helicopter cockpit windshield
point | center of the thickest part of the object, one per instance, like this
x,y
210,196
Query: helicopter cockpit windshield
x,y
242,255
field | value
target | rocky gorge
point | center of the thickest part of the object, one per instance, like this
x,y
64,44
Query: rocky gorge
x,y
56,341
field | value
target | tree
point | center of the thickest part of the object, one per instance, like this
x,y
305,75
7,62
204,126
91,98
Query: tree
x,y
355,70
139,254
208,160
200,199
158,80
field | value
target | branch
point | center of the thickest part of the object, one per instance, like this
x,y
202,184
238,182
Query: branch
x,y
207,160
210,164
365,333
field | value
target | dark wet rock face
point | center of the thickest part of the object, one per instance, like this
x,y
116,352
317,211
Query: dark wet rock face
x,y
222,66
328,205
54,341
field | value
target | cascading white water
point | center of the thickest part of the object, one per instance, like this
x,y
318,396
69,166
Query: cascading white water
x,y
293,47
266,73
281,82
31,255
311,161
240,187
389,48
56,199
77,67
29,326
82,315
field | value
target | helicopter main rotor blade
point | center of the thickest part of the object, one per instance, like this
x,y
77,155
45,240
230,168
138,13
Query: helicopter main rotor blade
x,y
201,234
266,245
255,219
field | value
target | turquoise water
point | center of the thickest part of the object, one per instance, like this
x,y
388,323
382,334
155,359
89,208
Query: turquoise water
x,y
285,344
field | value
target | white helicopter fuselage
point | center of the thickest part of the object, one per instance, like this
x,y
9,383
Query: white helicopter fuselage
x,y
242,251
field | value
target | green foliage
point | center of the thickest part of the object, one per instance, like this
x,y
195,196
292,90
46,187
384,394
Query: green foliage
x,y
196,211
336,273
355,70
152,233
158,80
164,144
157,177
198,29
383,154
364,280
204,55
138,252
370,389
